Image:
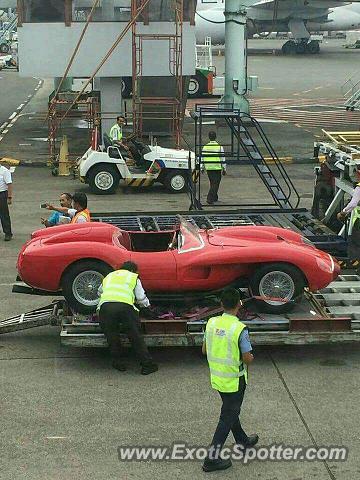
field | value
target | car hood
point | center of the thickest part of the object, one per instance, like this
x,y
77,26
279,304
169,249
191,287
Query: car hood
x,y
242,236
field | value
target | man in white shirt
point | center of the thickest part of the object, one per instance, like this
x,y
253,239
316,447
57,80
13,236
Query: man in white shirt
x,y
6,196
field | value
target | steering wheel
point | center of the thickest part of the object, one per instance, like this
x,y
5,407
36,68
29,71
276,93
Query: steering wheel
x,y
130,137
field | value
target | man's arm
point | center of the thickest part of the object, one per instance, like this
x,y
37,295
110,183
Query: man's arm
x,y
46,223
355,199
140,295
245,347
223,165
58,209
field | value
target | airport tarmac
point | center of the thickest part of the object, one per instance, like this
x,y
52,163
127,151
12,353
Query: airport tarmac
x,y
65,412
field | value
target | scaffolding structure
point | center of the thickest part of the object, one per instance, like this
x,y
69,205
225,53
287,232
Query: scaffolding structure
x,y
169,107
86,108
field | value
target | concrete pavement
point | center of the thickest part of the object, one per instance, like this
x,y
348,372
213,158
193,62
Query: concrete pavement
x,y
65,411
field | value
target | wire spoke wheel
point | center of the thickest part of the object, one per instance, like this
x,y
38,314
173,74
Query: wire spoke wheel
x,y
85,287
277,284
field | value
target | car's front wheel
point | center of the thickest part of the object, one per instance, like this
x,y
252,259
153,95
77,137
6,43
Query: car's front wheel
x,y
279,285
80,284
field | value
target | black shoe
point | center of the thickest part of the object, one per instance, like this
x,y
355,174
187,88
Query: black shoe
x,y
8,237
118,365
252,440
213,465
149,368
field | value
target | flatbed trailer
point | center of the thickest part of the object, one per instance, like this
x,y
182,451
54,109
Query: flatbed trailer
x,y
329,316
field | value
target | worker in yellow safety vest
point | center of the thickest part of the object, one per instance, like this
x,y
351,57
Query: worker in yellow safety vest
x,y
118,314
213,161
229,352
353,209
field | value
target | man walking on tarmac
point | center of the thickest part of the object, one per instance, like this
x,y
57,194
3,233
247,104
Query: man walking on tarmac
x,y
214,164
228,350
118,314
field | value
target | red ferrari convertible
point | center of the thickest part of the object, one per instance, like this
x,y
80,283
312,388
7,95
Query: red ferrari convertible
x,y
275,263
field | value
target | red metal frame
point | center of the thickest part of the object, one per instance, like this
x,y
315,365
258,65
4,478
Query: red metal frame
x,y
173,112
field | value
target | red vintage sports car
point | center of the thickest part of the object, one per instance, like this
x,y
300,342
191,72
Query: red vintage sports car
x,y
276,263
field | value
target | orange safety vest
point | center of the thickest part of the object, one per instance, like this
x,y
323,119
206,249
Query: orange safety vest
x,y
84,213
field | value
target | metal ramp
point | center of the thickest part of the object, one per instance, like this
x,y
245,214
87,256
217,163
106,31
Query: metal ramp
x,y
342,298
248,145
36,318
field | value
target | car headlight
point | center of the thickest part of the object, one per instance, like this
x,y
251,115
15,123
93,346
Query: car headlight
x,y
326,266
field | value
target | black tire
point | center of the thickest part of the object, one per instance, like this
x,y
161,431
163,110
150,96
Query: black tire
x,y
301,48
4,48
126,87
103,179
289,273
176,181
289,48
197,86
313,47
74,275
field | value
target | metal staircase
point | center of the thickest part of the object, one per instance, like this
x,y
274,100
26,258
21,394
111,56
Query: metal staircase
x,y
248,145
6,35
351,92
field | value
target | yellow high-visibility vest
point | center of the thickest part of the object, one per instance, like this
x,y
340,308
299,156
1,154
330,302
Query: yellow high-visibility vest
x,y
116,133
119,286
212,161
223,353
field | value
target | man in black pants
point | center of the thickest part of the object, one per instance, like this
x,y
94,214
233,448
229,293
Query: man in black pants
x,y
6,195
229,351
118,314
214,163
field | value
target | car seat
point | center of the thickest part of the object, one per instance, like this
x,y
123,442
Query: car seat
x,y
125,240
110,148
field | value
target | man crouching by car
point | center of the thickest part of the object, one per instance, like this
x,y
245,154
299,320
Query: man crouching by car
x,y
119,292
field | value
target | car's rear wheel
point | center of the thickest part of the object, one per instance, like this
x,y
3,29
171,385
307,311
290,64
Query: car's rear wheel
x,y
103,179
279,285
175,181
80,284
4,48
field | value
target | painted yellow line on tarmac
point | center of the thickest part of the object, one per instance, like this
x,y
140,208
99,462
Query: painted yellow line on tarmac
x,y
281,160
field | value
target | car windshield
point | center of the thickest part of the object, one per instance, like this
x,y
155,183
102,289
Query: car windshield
x,y
189,238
